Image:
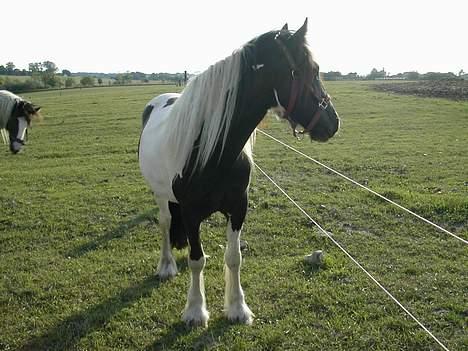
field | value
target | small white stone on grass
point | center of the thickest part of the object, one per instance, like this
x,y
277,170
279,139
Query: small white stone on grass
x,y
315,257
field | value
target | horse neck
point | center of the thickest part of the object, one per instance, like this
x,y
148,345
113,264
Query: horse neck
x,y
7,105
246,118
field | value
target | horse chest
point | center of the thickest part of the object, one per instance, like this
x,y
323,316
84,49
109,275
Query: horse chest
x,y
214,190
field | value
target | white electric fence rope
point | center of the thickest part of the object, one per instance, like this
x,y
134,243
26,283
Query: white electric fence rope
x,y
354,260
364,187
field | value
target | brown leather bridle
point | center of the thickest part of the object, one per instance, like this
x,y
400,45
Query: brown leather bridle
x,y
296,86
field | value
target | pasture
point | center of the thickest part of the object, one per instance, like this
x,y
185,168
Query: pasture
x,y
79,241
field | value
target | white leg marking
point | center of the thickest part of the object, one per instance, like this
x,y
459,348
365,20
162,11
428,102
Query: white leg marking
x,y
235,307
195,312
4,134
22,126
167,267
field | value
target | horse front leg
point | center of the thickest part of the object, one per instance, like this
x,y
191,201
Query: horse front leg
x,y
195,312
235,308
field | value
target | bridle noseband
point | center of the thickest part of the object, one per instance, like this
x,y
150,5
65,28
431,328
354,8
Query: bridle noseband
x,y
296,84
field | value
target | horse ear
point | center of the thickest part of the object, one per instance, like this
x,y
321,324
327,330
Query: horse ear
x,y
301,32
285,27
37,108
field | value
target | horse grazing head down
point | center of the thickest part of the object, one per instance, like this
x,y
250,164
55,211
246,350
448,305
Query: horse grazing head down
x,y
284,62
17,115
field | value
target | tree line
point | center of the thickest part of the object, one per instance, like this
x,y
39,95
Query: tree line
x,y
382,74
46,75
43,75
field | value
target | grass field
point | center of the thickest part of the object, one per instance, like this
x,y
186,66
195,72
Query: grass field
x,y
79,241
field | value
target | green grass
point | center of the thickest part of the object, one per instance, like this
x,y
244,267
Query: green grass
x,y
79,240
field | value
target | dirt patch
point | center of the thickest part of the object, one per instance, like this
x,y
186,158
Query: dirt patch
x,y
449,89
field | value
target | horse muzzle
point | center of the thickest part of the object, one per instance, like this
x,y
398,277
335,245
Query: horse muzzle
x,y
16,145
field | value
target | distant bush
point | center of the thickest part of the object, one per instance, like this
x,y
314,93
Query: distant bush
x,y
87,81
17,86
69,82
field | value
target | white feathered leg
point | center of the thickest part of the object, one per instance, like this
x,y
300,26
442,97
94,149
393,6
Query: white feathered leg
x,y
234,302
167,267
195,312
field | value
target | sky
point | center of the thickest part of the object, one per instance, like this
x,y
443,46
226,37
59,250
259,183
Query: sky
x,y
173,36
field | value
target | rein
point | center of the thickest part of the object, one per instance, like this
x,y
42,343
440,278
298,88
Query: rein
x,y
294,93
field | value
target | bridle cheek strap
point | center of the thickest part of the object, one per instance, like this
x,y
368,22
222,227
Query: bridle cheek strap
x,y
322,105
291,103
293,95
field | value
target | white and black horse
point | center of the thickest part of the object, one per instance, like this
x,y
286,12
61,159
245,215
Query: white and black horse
x,y
196,150
16,115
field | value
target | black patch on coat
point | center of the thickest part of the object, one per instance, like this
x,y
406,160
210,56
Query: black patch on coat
x,y
146,114
177,233
144,119
170,101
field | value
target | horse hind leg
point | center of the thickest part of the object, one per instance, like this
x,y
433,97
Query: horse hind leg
x,y
167,267
195,312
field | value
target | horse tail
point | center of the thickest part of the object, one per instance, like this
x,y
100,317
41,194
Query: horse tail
x,y
146,114
177,233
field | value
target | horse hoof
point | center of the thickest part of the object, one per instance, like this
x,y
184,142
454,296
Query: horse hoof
x,y
240,314
195,317
167,269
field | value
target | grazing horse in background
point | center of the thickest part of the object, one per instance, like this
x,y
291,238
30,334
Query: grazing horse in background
x,y
196,150
16,115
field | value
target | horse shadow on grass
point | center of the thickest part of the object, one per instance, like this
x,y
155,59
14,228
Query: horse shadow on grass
x,y
115,233
67,334
207,339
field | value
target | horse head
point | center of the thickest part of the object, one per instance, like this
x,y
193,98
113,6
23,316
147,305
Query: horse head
x,y
21,117
292,81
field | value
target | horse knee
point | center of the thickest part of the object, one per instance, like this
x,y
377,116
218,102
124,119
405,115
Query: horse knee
x,y
233,259
197,265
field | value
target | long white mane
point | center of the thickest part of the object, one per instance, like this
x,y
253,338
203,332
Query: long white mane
x,y
7,102
207,104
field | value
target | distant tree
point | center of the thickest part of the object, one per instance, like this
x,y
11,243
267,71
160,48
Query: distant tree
x,y
332,75
99,81
123,78
412,75
69,82
375,74
48,76
66,72
10,67
351,76
87,81
50,67
35,67
438,76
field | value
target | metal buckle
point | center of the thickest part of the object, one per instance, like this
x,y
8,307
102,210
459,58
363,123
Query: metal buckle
x,y
299,134
323,104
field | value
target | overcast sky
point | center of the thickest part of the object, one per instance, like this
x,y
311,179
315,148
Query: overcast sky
x,y
173,36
